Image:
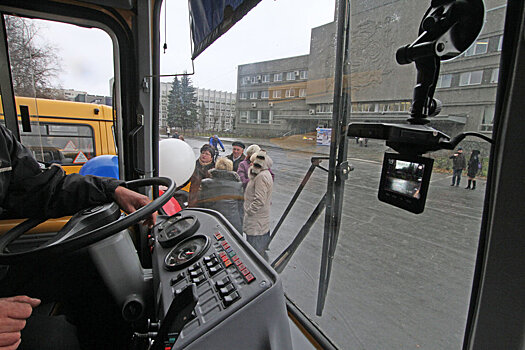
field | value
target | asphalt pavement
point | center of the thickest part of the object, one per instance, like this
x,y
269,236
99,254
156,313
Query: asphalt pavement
x,y
399,280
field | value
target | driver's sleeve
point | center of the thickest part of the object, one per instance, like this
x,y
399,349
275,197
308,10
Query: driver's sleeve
x,y
33,192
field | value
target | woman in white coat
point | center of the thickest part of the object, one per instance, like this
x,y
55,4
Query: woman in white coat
x,y
257,201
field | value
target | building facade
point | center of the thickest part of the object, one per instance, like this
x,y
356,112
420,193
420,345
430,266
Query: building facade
x,y
165,89
295,94
216,109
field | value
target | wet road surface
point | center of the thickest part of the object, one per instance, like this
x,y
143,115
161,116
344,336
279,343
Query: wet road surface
x,y
399,280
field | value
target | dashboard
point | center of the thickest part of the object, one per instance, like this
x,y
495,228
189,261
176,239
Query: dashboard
x,y
234,298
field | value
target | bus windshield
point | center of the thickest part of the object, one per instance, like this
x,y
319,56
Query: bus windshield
x,y
398,280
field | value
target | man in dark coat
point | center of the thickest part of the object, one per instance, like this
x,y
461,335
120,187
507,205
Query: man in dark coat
x,y
237,155
458,164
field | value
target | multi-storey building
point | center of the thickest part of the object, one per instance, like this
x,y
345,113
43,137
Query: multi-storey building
x,y
71,94
165,89
271,95
295,94
216,109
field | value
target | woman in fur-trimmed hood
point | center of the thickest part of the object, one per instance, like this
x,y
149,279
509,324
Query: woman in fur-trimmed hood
x,y
222,192
257,201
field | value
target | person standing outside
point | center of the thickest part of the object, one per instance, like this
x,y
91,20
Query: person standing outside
x,y
244,166
474,167
257,201
203,165
458,164
223,192
215,142
237,155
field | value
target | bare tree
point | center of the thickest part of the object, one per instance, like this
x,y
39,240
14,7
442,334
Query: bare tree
x,y
34,67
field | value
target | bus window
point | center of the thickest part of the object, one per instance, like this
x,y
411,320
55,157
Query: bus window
x,y
60,143
62,72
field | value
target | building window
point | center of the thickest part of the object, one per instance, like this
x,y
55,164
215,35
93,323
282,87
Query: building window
x,y
253,119
265,117
444,81
253,95
500,43
470,78
265,94
244,116
247,80
278,77
303,74
290,93
302,92
266,78
243,95
478,48
254,79
290,76
494,76
488,118
276,94
405,106
324,108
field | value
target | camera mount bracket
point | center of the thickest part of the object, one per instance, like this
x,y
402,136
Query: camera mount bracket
x,y
448,28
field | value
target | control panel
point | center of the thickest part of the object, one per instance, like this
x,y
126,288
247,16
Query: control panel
x,y
239,297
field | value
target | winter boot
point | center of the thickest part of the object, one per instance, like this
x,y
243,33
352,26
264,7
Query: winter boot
x,y
473,184
468,186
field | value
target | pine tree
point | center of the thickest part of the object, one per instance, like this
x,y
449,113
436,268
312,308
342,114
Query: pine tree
x,y
182,104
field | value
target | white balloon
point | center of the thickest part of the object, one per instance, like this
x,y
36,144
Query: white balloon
x,y
176,160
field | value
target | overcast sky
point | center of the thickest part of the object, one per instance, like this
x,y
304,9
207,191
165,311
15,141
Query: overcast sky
x,y
273,29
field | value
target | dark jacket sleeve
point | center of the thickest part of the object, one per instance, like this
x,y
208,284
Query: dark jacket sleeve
x,y
33,192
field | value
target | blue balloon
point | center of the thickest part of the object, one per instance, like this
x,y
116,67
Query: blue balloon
x,y
106,165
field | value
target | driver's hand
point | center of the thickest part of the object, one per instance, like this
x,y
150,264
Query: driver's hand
x,y
131,201
13,314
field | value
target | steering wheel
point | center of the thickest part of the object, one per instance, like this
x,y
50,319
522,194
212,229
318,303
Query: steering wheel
x,y
85,227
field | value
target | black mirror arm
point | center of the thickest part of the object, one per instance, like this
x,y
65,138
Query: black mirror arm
x,y
457,139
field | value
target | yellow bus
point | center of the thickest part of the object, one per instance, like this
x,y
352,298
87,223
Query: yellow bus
x,y
67,133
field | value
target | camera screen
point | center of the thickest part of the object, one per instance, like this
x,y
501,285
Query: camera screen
x,y
404,181
404,177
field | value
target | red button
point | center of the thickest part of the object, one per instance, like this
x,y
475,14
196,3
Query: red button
x,y
238,262
235,258
242,267
224,258
249,277
227,263
245,272
222,254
